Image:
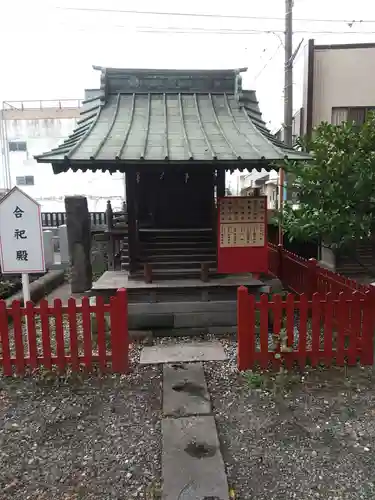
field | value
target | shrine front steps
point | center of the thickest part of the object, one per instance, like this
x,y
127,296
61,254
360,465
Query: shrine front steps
x,y
181,255
183,249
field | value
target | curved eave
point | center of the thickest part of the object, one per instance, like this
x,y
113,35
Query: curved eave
x,y
172,129
75,139
65,164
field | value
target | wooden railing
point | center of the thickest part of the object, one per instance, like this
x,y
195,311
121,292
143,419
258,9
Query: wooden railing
x,y
56,219
323,328
327,319
28,341
306,276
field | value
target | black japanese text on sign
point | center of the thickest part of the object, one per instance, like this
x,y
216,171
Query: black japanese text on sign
x,y
18,212
22,255
20,234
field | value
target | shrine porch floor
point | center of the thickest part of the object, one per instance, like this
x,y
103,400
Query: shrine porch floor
x,y
113,280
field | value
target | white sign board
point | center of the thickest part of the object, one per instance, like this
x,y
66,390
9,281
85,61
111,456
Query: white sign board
x,y
21,235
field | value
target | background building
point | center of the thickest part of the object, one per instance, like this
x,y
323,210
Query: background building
x,y
28,128
337,87
266,182
338,84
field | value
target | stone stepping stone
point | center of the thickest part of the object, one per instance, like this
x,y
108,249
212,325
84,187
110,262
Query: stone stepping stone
x,y
182,353
192,464
185,390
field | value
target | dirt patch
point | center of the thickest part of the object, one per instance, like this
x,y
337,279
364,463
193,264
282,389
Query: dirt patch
x,y
200,450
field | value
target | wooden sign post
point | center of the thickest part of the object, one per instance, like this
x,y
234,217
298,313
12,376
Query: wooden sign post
x,y
242,235
21,237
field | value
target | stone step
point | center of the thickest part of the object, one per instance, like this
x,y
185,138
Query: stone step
x,y
177,240
182,263
177,243
166,230
182,353
185,390
192,464
180,257
173,274
171,250
175,234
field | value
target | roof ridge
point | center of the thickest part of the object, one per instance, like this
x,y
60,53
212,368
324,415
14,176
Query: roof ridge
x,y
171,70
119,80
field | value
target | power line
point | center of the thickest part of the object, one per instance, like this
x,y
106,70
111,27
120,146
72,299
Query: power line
x,y
230,31
205,31
207,15
269,60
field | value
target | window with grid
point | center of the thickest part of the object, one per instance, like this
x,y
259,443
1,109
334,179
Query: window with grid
x,y
356,114
25,180
17,146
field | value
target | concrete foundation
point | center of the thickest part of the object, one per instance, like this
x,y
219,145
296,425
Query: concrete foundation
x,y
173,305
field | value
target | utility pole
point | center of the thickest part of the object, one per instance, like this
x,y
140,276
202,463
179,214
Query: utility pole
x,y
288,87
288,99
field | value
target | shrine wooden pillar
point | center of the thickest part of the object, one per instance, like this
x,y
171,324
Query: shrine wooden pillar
x,y
132,200
220,182
220,192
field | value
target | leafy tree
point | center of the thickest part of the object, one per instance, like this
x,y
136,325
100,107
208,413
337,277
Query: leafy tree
x,y
336,189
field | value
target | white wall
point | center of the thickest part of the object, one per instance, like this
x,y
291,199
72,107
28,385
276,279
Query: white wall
x,y
270,190
49,189
247,179
342,78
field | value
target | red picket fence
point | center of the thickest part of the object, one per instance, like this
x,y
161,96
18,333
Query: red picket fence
x,y
61,336
306,276
324,328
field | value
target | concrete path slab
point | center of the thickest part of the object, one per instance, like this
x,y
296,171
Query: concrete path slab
x,y
185,390
182,353
193,468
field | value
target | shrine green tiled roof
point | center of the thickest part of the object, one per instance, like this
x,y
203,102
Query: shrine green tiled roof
x,y
208,120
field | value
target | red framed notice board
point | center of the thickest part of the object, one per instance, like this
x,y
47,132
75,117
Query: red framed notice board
x,y
242,235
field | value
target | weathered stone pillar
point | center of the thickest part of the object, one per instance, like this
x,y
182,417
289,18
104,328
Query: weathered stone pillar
x,y
48,249
79,240
64,248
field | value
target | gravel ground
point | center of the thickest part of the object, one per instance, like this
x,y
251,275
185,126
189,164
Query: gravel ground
x,y
295,436
91,438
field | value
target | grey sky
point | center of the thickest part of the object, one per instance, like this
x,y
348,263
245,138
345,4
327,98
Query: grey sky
x,y
48,52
